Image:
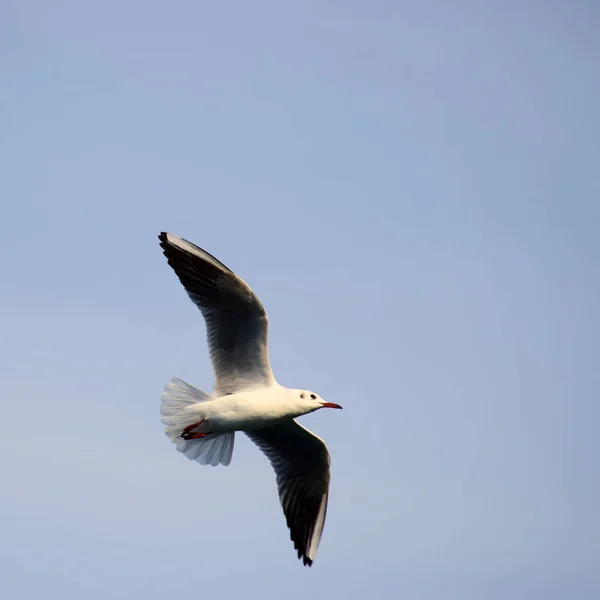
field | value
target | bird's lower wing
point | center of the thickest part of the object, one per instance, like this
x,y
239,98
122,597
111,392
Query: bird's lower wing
x,y
301,462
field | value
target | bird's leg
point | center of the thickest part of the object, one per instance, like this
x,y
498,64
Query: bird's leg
x,y
187,432
193,436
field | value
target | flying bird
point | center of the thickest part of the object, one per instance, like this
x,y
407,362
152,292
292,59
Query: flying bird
x,y
246,397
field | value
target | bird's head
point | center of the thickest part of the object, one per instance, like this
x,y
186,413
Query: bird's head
x,y
314,402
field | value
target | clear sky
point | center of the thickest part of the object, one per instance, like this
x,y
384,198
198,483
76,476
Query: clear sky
x,y
413,190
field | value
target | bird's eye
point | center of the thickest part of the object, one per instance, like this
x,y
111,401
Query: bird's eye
x,y
313,396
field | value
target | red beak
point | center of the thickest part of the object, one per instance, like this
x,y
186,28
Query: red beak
x,y
330,405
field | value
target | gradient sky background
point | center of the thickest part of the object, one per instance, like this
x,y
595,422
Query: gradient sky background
x,y
413,190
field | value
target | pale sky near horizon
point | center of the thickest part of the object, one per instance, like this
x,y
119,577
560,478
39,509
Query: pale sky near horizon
x,y
412,188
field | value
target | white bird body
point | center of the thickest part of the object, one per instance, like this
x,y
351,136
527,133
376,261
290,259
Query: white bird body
x,y
246,396
245,411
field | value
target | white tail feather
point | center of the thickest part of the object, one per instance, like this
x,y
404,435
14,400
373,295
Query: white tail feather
x,y
213,450
180,407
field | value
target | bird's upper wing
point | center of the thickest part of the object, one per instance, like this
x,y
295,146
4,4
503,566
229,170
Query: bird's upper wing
x,y
301,463
236,320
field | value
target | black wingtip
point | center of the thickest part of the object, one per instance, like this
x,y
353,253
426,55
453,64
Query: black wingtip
x,y
167,245
306,561
164,241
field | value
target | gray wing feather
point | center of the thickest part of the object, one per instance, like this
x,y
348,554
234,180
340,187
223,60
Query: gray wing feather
x,y
236,321
301,462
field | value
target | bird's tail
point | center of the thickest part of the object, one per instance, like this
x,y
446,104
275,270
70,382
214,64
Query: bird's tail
x,y
181,408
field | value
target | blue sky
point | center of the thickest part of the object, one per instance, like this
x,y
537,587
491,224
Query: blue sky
x,y
412,190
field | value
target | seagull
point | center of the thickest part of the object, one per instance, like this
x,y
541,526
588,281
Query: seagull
x,y
246,396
